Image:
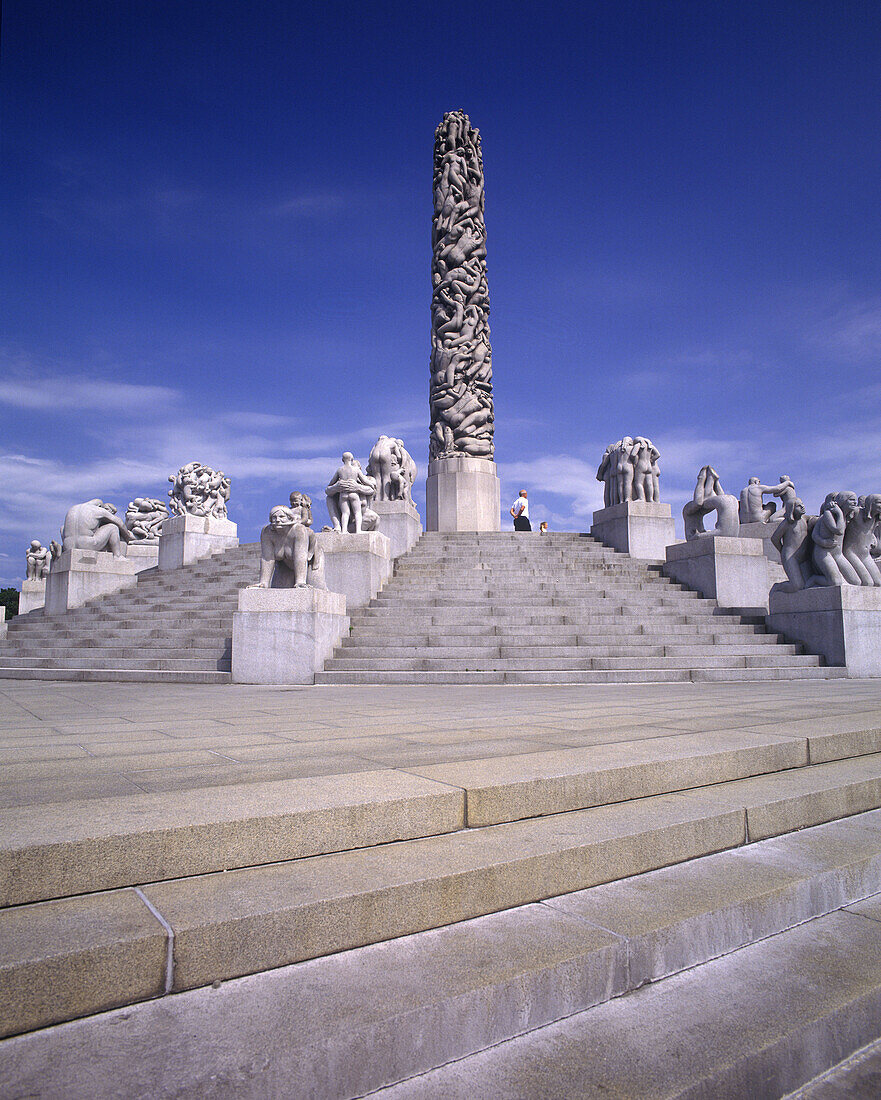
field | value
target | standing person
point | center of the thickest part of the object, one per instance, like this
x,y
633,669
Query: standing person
x,y
520,512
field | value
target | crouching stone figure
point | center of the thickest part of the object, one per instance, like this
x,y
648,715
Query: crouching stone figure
x,y
290,556
37,559
94,525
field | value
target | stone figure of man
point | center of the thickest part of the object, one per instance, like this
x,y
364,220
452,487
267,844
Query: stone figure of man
x,y
38,558
753,508
94,525
290,556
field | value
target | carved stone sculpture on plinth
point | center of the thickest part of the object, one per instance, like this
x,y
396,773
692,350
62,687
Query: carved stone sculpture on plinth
x,y
287,624
33,588
92,561
709,496
198,526
349,498
633,519
394,471
290,555
144,518
836,609
462,489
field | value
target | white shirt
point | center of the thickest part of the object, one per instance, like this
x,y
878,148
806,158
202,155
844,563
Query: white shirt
x,y
521,507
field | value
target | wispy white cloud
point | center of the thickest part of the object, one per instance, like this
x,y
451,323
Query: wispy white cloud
x,y
851,332
64,394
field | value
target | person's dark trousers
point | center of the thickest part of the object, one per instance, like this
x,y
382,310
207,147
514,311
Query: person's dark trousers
x,y
521,523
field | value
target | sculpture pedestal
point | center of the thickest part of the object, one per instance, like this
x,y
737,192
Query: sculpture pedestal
x,y
33,596
762,531
187,538
842,624
637,527
734,572
284,635
399,522
144,555
4,626
80,575
356,565
462,494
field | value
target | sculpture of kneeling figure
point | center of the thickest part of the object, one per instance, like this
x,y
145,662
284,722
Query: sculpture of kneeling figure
x,y
792,540
859,535
290,556
94,525
831,567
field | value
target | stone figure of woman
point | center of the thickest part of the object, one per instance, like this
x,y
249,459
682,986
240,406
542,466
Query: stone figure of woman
x,y
858,538
831,567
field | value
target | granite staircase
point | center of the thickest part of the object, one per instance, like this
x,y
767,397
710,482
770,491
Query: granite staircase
x,y
694,915
560,608
171,627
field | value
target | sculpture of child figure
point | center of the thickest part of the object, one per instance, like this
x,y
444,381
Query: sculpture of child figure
x,y
290,556
37,558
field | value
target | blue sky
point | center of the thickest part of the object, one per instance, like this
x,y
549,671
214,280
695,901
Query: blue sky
x,y
217,243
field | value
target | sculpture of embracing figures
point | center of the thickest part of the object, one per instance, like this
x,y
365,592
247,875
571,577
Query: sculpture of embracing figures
x,y
290,556
629,471
393,469
753,508
349,496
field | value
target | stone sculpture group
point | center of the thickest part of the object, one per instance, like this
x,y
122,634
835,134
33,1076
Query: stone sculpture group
x,y
629,471
144,518
461,403
709,496
198,490
841,546
753,507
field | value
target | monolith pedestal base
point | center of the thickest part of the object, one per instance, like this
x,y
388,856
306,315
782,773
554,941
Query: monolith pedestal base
x,y
762,531
187,538
734,572
144,555
842,624
356,565
462,494
80,575
284,635
33,596
399,521
639,528
4,626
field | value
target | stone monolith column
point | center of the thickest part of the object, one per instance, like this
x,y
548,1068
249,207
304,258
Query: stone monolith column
x,y
462,489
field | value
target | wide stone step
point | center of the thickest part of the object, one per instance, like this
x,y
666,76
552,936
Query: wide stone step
x,y
672,643
582,676
769,1017
635,661
347,1024
79,660
243,921
529,655
111,675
